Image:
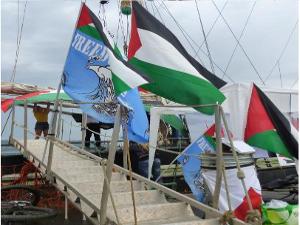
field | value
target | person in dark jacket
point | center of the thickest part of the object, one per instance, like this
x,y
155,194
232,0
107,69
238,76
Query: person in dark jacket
x,y
140,158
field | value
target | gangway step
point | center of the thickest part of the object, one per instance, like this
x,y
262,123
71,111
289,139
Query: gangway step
x,y
115,186
150,212
143,197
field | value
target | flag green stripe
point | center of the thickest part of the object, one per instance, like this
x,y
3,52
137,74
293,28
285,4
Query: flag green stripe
x,y
270,141
211,140
49,97
90,31
179,86
119,85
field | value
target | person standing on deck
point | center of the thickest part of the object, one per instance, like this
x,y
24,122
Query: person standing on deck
x,y
93,127
41,116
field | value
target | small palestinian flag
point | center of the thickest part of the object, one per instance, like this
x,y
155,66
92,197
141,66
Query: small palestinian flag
x,y
175,74
237,195
267,128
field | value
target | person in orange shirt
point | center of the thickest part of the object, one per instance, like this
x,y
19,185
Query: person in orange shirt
x,y
41,116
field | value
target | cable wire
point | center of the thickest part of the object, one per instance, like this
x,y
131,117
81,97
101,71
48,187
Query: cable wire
x,y
186,34
19,38
6,122
242,48
283,50
241,35
205,40
280,75
212,27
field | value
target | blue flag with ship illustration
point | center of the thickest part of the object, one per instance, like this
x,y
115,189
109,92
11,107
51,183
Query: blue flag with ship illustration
x,y
99,79
191,165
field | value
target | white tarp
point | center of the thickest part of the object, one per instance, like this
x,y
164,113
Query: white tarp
x,y
155,113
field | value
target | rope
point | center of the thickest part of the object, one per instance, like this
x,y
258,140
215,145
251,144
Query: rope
x,y
242,33
126,148
19,38
282,51
242,48
205,40
196,54
280,75
182,30
294,83
6,122
214,23
110,194
161,19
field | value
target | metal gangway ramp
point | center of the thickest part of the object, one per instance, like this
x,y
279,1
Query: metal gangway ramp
x,y
103,192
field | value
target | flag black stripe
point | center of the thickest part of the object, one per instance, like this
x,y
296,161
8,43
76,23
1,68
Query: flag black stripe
x,y
148,22
280,123
99,28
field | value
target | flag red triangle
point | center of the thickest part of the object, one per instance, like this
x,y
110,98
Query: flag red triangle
x,y
241,211
257,120
84,18
135,42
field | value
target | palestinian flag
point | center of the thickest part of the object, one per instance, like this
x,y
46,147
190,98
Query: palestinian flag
x,y
175,74
236,192
34,97
210,135
267,128
92,48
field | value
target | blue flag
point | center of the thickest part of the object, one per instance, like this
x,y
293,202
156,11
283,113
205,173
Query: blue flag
x,y
96,77
191,165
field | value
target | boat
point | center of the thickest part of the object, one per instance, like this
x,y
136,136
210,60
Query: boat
x,y
86,204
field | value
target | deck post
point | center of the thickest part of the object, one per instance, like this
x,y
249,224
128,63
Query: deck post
x,y
66,202
83,129
125,149
12,123
59,120
240,173
25,126
219,160
109,165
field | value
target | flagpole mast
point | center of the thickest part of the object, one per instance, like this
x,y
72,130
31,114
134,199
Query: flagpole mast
x,y
219,154
51,135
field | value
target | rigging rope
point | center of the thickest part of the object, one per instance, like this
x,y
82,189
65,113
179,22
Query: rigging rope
x,y
212,27
161,19
19,38
205,40
184,32
280,76
295,82
119,22
283,50
6,122
241,35
242,48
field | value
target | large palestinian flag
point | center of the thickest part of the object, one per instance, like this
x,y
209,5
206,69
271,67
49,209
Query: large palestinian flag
x,y
175,74
267,128
93,51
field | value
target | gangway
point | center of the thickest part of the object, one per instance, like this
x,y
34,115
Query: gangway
x,y
101,190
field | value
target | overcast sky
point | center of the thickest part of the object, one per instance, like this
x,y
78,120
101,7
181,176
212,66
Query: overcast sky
x,y
49,25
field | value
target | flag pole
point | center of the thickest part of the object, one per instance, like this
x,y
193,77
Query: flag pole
x,y
51,135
